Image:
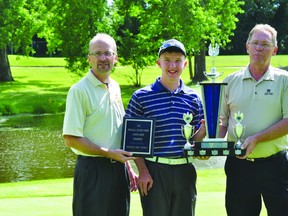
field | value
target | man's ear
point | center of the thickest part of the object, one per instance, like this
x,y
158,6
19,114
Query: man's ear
x,y
275,51
247,48
88,57
185,63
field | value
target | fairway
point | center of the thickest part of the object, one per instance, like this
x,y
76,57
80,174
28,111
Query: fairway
x,y
54,197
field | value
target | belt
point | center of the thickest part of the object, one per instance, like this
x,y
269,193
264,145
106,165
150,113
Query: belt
x,y
171,161
97,158
278,154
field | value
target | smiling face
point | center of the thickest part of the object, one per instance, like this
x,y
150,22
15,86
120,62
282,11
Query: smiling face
x,y
261,48
172,65
102,57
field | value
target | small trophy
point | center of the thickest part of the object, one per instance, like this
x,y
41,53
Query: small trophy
x,y
238,129
187,129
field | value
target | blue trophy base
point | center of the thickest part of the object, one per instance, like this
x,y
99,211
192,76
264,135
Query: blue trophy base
x,y
214,147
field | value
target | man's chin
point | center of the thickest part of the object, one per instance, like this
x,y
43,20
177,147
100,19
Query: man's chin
x,y
104,69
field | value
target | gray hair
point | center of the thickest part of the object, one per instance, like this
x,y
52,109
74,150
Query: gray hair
x,y
264,27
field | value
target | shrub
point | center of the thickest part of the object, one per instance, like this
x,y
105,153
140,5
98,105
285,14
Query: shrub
x,y
7,109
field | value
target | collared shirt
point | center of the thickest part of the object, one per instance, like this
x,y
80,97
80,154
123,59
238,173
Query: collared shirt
x,y
155,101
95,111
263,103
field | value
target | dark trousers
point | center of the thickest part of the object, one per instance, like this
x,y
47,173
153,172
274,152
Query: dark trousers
x,y
101,188
249,182
173,192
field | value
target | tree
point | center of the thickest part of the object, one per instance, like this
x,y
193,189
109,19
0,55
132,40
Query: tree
x,y
148,23
191,21
71,24
134,45
19,21
218,20
67,25
273,12
280,23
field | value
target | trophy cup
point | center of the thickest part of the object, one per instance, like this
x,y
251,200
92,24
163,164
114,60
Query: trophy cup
x,y
238,129
187,129
213,51
212,97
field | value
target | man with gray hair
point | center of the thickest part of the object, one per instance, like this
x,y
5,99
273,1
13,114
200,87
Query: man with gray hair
x,y
260,92
92,129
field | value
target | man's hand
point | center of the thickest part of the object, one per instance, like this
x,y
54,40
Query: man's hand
x,y
133,178
145,183
249,145
120,155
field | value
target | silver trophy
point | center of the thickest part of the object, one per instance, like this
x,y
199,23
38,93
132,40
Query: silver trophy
x,y
187,129
213,51
238,129
212,145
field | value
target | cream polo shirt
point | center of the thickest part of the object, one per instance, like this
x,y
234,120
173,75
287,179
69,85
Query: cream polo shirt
x,y
262,102
95,112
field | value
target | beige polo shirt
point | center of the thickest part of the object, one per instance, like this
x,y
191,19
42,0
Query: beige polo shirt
x,y
94,111
262,102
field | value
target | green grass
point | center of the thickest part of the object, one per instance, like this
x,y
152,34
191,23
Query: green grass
x,y
26,61
54,197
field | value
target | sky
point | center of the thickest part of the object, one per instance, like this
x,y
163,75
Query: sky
x,y
110,2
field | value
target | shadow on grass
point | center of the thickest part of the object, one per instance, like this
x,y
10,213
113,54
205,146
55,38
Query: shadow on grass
x,y
33,96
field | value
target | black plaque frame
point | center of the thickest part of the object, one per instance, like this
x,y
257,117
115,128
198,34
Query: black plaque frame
x,y
138,136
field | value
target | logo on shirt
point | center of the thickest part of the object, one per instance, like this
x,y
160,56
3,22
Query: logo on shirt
x,y
268,92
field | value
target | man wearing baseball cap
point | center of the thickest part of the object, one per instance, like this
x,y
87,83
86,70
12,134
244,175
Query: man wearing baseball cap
x,y
167,180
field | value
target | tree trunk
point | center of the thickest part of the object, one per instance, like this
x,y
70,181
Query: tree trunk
x,y
199,66
5,72
190,67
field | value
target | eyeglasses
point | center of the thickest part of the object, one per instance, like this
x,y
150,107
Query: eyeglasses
x,y
264,44
98,54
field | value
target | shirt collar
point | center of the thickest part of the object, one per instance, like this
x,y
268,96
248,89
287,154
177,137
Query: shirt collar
x,y
94,80
159,87
269,74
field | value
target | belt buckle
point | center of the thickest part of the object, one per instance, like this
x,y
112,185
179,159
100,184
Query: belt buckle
x,y
250,159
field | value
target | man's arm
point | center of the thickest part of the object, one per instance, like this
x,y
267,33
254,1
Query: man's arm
x,y
222,131
133,178
86,146
145,181
277,130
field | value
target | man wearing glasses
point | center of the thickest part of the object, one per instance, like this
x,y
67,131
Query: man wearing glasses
x,y
260,92
92,129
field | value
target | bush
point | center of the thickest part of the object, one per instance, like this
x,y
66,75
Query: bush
x,y
7,109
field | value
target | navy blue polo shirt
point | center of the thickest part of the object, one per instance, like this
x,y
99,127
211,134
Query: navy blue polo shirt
x,y
155,101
